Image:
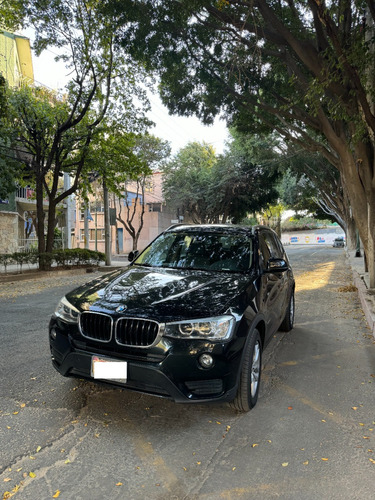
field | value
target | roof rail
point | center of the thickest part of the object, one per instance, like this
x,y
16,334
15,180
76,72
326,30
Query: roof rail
x,y
175,225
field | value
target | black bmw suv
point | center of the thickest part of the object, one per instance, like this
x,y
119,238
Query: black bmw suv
x,y
187,319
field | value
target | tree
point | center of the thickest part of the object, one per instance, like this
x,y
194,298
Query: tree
x,y
57,133
305,69
148,153
312,184
241,182
211,189
187,179
12,13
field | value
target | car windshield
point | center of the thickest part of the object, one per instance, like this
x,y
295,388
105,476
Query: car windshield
x,y
216,251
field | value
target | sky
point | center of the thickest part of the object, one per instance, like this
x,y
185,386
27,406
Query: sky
x,y
175,129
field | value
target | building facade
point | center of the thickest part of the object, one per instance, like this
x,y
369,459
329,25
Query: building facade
x,y
16,67
132,206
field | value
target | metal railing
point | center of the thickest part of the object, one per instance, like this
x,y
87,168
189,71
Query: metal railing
x,y
31,244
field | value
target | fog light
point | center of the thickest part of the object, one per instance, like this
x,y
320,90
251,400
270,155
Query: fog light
x,y
206,360
53,334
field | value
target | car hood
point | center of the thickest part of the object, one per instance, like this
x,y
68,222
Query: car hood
x,y
163,294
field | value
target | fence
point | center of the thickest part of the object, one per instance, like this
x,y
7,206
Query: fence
x,y
31,244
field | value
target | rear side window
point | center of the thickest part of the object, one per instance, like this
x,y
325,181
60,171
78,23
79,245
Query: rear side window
x,y
269,246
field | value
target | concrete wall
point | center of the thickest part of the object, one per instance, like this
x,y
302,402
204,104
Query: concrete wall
x,y
8,232
314,237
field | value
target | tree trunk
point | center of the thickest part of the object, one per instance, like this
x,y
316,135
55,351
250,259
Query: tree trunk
x,y
50,226
135,241
370,253
362,199
351,236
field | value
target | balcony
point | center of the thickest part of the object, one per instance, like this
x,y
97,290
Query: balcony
x,y
25,197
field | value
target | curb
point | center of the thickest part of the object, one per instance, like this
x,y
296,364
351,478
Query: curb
x,y
367,301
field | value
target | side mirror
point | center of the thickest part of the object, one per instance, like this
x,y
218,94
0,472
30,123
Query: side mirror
x,y
133,255
275,265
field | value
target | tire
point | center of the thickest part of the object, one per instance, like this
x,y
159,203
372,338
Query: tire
x,y
248,387
288,321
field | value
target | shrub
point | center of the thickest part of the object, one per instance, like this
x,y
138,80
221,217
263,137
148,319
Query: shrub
x,y
6,259
46,259
72,256
21,258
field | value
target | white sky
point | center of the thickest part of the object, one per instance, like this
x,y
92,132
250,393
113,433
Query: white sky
x,y
175,129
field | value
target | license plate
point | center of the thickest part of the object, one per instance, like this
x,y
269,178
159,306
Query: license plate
x,y
109,369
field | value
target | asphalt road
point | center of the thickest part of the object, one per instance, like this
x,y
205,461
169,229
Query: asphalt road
x,y
311,435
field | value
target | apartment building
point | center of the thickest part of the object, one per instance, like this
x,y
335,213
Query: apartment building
x,y
135,203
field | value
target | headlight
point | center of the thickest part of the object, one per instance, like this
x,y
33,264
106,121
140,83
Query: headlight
x,y
66,311
220,328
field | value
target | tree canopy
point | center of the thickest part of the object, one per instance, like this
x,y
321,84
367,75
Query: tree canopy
x,y
302,68
59,133
210,188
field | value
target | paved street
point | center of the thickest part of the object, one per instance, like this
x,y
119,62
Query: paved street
x,y
311,435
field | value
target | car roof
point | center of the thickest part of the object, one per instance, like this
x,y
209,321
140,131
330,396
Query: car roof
x,y
212,228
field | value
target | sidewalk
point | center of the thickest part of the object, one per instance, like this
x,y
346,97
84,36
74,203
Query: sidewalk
x,y
361,281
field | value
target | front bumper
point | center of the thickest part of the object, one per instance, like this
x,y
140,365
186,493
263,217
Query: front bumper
x,y
171,369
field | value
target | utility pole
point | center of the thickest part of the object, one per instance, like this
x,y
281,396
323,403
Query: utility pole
x,y
68,213
107,226
86,225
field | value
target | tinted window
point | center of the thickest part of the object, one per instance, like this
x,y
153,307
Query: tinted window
x,y
208,251
269,246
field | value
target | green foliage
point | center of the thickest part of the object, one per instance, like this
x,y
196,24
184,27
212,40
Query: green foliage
x,y
304,224
9,167
61,132
187,180
6,260
12,14
64,258
207,188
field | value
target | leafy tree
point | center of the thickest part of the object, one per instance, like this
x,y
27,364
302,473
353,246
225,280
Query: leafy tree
x,y
218,189
12,13
239,186
8,163
304,69
57,134
187,179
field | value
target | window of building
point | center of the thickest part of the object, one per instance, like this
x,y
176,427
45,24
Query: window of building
x,y
154,207
101,234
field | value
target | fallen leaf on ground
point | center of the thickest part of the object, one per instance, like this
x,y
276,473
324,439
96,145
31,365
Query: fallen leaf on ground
x,y
285,464
119,484
325,459
57,494
32,474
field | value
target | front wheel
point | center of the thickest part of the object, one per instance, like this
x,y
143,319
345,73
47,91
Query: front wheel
x,y
248,388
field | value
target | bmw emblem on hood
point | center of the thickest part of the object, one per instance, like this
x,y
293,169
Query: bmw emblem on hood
x,y
120,309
